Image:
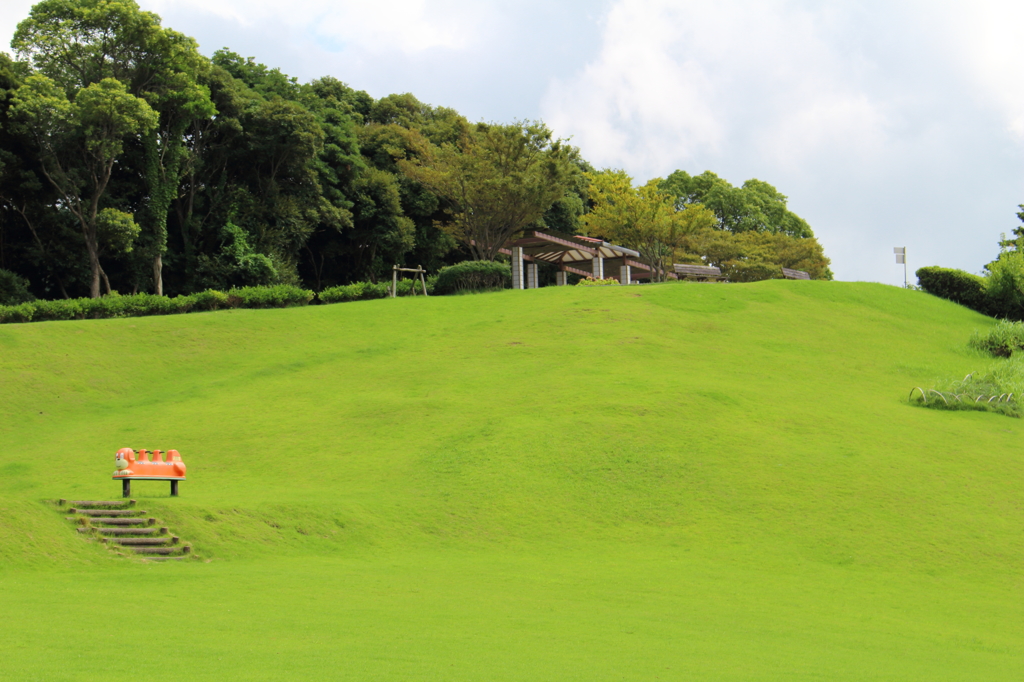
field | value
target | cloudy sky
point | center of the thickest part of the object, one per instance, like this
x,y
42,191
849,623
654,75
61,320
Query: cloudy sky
x,y
886,124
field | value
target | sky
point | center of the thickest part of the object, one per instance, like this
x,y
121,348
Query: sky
x,y
885,123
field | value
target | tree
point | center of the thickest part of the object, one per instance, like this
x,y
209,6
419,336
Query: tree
x,y
498,178
754,207
642,218
79,143
81,42
753,256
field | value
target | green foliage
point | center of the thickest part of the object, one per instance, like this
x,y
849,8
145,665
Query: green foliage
x,y
955,285
998,389
357,291
498,178
591,282
117,229
754,207
13,289
140,305
276,296
365,291
1005,285
1002,340
753,256
479,275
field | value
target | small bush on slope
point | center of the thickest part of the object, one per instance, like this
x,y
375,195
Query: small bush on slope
x,y
1002,340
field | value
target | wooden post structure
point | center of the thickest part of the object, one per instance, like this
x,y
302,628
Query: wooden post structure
x,y
417,271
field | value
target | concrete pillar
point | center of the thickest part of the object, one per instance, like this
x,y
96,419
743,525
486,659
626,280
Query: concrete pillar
x,y
598,267
561,278
531,276
625,275
517,267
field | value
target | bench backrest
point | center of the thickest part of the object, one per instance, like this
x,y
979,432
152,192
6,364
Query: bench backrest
x,y
697,270
794,274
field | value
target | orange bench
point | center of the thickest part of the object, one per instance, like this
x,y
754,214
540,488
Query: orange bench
x,y
138,466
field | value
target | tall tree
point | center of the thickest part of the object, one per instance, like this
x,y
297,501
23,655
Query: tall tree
x,y
498,178
81,42
754,207
79,142
642,218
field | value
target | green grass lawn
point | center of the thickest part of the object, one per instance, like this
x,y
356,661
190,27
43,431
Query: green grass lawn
x,y
675,481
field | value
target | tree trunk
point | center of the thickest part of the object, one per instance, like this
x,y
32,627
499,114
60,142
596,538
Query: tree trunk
x,y
158,275
94,268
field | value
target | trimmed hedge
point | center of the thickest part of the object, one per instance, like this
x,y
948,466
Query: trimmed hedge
x,y
591,282
473,275
139,305
365,291
955,285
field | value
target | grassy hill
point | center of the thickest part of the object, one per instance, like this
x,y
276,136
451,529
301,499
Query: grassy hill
x,y
659,482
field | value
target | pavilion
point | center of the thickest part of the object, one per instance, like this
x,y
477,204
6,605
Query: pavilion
x,y
584,256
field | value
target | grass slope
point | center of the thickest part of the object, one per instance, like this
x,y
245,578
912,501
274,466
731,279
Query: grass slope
x,y
671,481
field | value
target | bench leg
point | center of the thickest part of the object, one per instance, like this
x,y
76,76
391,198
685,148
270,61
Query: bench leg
x,y
174,488
126,488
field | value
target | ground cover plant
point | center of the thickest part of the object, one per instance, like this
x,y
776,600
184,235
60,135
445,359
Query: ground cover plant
x,y
672,481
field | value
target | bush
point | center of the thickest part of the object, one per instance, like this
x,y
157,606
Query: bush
x,y
591,282
138,305
277,296
211,299
997,390
358,291
13,289
955,285
1002,340
473,275
1005,288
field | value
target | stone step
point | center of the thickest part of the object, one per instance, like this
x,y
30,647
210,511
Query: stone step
x,y
142,542
130,531
107,512
123,522
166,558
185,549
97,503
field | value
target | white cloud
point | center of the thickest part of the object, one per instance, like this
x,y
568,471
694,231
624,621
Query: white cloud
x,y
382,25
677,81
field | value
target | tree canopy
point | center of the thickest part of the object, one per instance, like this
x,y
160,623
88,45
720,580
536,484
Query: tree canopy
x,y
131,162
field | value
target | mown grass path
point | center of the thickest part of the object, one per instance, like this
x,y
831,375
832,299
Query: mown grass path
x,y
674,481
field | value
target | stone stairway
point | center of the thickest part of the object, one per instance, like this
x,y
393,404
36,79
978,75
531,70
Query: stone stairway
x,y
127,530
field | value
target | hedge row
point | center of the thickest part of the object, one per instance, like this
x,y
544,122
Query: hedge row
x,y
138,305
955,285
466,276
364,291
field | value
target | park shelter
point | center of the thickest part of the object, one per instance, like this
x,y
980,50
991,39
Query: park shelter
x,y
584,256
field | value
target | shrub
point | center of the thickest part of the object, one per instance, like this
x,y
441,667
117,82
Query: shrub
x,y
277,296
211,299
955,285
357,291
137,305
997,390
13,289
1006,286
473,275
17,313
1002,340
591,282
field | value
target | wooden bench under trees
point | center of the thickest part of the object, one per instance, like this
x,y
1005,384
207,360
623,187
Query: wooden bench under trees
x,y
697,272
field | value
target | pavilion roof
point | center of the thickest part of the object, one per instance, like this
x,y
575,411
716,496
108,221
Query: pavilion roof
x,y
562,249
